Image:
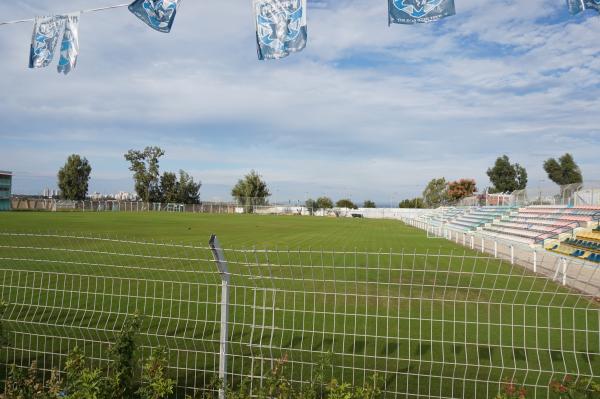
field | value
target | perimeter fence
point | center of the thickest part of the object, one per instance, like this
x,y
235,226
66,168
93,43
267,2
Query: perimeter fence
x,y
431,325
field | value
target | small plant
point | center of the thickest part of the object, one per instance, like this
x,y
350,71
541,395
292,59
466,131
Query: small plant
x,y
155,383
3,330
123,353
82,382
510,390
27,384
576,388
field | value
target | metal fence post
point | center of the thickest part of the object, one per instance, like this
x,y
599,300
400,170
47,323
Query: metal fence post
x,y
534,261
512,255
482,244
219,257
564,271
495,249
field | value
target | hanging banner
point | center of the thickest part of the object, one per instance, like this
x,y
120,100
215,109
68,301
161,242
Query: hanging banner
x,y
419,11
280,27
157,14
46,31
69,48
577,6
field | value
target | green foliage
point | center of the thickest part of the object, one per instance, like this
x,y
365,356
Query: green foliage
x,y
507,177
74,177
563,171
435,194
510,390
83,382
369,204
188,191
168,187
155,383
346,203
123,354
145,168
311,205
576,388
324,203
3,330
251,190
28,384
462,188
415,203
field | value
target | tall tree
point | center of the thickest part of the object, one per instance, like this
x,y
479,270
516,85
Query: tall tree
x,y
564,171
369,204
507,177
169,188
145,168
311,205
324,203
462,188
74,177
346,203
251,190
188,191
435,193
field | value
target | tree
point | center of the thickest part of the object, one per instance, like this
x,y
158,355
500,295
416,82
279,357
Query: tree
x,y
435,193
145,168
564,171
74,177
251,190
415,203
369,204
188,191
507,177
462,188
169,188
346,203
324,203
311,205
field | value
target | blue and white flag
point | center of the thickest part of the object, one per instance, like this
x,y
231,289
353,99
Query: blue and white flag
x,y
280,27
577,6
157,14
419,11
46,31
69,48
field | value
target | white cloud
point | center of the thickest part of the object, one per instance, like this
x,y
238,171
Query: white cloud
x,y
365,109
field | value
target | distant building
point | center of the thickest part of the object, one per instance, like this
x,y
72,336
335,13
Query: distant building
x,y
96,196
5,190
125,196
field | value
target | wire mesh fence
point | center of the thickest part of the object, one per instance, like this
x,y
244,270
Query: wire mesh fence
x,y
431,325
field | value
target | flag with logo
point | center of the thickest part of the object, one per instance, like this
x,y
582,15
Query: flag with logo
x,y
46,31
157,14
281,27
419,11
69,48
577,6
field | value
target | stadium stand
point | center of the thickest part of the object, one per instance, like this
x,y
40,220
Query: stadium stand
x,y
535,224
585,245
528,225
478,217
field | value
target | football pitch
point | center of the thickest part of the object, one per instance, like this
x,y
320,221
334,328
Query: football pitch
x,y
431,318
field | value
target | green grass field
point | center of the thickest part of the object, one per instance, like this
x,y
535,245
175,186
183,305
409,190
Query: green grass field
x,y
445,322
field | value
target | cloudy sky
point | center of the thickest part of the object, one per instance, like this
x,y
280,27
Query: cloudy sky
x,y
367,111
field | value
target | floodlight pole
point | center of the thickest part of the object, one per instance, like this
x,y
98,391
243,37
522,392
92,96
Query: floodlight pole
x,y
219,256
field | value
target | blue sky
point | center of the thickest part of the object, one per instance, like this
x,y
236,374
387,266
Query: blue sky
x,y
367,111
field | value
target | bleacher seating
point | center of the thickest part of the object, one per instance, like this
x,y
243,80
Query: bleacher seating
x,y
535,224
585,245
477,217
